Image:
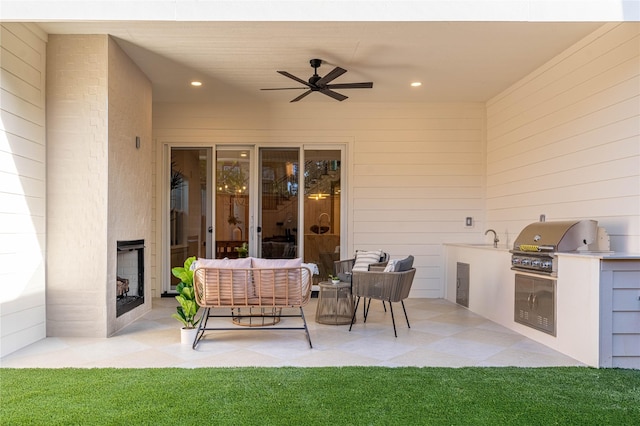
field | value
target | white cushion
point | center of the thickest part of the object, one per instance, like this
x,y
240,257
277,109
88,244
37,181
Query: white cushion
x,y
366,258
390,266
257,262
241,263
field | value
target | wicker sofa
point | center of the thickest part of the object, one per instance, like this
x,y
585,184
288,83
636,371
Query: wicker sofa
x,y
252,288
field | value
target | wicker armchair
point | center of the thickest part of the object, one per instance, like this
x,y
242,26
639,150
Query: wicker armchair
x,y
386,286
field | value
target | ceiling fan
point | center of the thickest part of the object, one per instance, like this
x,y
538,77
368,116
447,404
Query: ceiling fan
x,y
321,84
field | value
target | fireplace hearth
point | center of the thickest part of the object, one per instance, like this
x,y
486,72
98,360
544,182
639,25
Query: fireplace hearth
x,y
130,276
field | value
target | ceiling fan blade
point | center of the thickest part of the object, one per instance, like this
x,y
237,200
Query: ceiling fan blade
x,y
288,88
293,77
333,74
334,95
367,85
301,96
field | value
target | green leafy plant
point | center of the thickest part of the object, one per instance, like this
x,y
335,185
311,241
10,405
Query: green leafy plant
x,y
186,312
243,250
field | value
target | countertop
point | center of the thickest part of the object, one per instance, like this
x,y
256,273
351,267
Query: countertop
x,y
501,247
604,255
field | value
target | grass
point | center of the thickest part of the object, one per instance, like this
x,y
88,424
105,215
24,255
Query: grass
x,y
315,396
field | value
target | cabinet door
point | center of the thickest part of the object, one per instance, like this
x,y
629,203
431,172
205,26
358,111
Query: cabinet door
x,y
462,284
535,303
543,302
522,307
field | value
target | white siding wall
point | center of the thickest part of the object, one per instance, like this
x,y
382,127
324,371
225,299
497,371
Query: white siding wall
x,y
415,170
22,186
565,140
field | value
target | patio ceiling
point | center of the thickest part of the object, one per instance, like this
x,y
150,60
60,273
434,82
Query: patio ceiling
x,y
455,61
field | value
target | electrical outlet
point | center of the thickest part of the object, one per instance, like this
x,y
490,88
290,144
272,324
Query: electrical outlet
x,y
468,222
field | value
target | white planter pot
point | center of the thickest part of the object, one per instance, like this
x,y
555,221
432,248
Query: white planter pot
x,y
188,335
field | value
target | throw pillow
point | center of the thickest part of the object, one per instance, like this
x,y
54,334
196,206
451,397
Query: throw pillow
x,y
366,258
391,266
404,264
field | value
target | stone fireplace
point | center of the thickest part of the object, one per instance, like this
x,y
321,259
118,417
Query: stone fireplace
x,y
129,276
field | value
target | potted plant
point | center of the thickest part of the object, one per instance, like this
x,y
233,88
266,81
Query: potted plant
x,y
243,250
186,312
334,279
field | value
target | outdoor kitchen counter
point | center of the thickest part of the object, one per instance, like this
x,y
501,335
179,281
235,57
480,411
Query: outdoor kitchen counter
x,y
597,300
604,255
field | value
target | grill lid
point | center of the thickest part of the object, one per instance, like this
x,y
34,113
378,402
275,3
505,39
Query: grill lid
x,y
556,236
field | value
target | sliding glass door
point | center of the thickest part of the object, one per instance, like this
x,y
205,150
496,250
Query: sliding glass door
x,y
322,209
287,204
189,207
233,214
278,236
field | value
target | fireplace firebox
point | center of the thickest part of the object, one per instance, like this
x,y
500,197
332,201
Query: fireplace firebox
x,y
130,276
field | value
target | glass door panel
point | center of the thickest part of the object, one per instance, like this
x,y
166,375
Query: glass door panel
x,y
279,174
322,209
232,205
188,206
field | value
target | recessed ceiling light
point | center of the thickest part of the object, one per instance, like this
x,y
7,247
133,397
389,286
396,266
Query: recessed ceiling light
x,y
416,84
196,83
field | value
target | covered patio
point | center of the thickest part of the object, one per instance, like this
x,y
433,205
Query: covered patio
x,y
442,334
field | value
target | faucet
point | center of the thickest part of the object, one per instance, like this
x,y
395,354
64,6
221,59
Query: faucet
x,y
495,237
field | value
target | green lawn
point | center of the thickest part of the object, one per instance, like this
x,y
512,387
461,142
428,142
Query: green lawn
x,y
335,396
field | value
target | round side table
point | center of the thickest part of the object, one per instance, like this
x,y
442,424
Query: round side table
x,y
335,303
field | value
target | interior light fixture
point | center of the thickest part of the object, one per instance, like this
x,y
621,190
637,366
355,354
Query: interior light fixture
x,y
318,196
196,83
416,84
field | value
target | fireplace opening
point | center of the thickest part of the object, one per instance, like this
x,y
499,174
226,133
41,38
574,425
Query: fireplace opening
x,y
130,276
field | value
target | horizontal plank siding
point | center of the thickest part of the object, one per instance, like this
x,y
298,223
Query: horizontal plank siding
x,y
22,186
564,141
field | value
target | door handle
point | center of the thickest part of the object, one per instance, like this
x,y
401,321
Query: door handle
x,y
210,229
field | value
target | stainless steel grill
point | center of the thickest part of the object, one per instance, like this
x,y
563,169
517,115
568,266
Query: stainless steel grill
x,y
534,249
534,252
